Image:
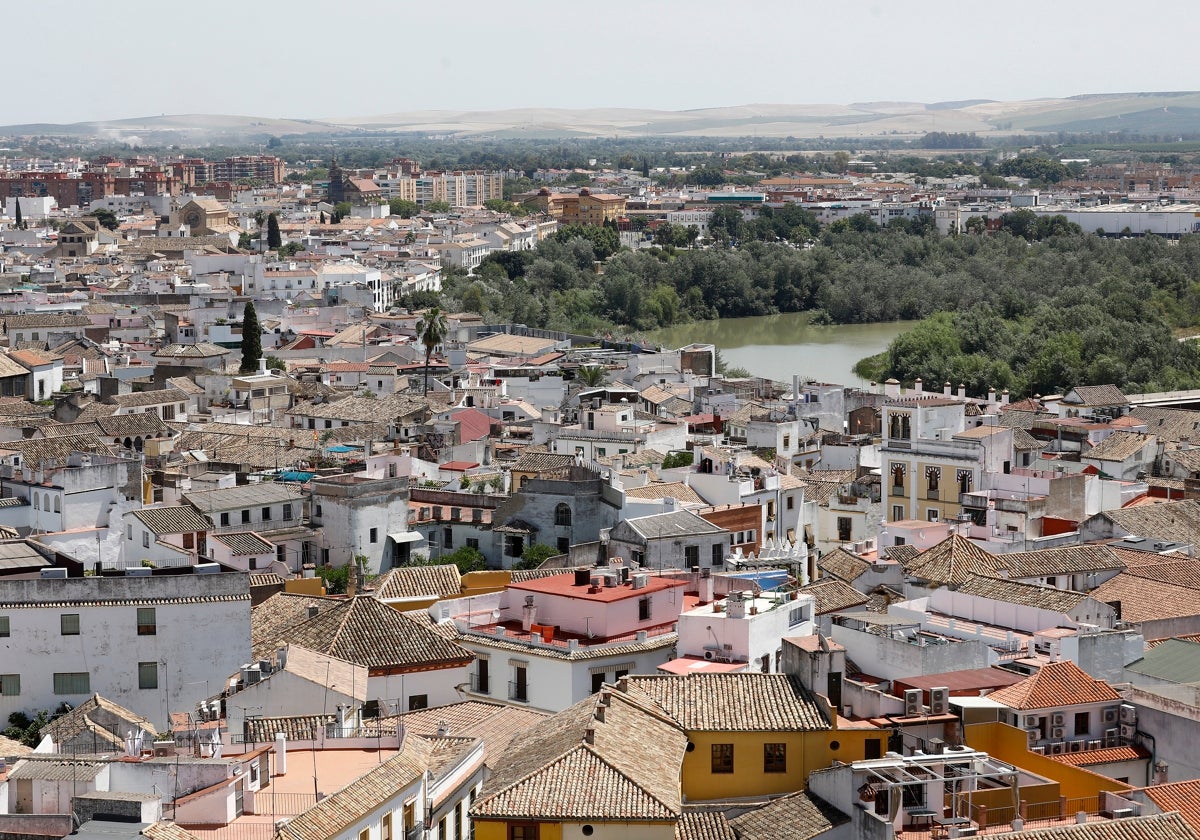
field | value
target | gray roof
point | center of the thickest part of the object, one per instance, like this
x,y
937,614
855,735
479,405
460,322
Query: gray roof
x,y
679,523
243,496
1024,594
176,519
1174,660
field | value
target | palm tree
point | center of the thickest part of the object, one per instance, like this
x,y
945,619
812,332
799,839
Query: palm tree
x,y
592,376
431,331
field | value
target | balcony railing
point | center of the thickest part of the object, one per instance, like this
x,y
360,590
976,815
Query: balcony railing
x,y
518,691
897,490
481,683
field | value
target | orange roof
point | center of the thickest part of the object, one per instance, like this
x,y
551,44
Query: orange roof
x,y
1183,797
565,585
1056,685
1105,756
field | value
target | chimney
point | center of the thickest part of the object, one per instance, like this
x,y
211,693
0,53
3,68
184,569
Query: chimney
x,y
528,614
706,590
262,365
891,388
735,607
919,385
962,391
589,735
991,394
1004,397
946,389
280,753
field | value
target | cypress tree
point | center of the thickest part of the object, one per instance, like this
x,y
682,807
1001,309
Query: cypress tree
x,y
274,239
251,339
20,221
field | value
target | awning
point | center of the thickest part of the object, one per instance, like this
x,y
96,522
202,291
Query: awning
x,y
405,537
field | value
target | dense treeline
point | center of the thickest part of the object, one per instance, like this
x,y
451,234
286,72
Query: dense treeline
x,y
1034,317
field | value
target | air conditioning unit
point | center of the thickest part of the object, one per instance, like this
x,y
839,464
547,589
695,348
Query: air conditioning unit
x,y
1128,713
1121,813
1057,748
1094,744
968,831
1039,750
1030,720
1058,732
939,700
1034,734
1059,719
1075,746
1128,731
711,655
1111,714
913,707
1110,737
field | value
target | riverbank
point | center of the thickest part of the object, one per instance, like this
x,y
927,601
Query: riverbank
x,y
780,346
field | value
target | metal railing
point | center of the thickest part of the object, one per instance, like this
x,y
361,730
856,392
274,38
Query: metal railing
x,y
283,804
481,683
518,691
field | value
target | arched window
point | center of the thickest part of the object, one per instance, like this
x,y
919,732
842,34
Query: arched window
x,y
57,506
37,502
562,515
46,501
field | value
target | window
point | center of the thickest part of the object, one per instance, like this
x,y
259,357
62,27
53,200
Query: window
x,y
482,677
597,681
129,532
189,541
562,516
442,835
518,689
1083,723
68,624
964,480
4,629
245,517
718,554
318,513
385,827
225,519
898,472
691,556
791,502
933,478
472,542
266,514
897,512
644,609
79,683
872,748
722,758
798,615
418,701
147,675
563,544
514,544
374,535
145,539
147,621
787,441
844,528
523,832
287,511
774,758
448,537
10,685
365,834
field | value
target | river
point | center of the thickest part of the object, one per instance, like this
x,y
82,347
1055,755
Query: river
x,y
778,346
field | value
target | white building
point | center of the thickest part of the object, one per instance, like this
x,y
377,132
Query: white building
x,y
131,639
743,629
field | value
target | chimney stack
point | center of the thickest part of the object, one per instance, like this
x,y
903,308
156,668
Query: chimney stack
x,y
919,385
946,389
962,391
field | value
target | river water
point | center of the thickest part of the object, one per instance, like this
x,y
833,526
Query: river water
x,y
778,346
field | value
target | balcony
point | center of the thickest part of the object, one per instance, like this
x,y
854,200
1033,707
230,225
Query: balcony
x,y
518,691
481,684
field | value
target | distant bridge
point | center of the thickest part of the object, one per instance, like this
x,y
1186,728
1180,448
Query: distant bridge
x,y
1166,399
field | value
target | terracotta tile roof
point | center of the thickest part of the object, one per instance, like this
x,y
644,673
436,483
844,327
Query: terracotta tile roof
x,y
244,542
901,553
498,726
1120,446
269,619
703,822
1108,755
666,490
167,831
1097,395
1149,827
797,816
1025,594
144,398
1054,686
443,581
582,764
262,730
740,702
833,595
95,713
1143,599
951,561
1173,424
1185,572
175,519
1174,521
843,565
337,812
1067,560
368,632
1183,797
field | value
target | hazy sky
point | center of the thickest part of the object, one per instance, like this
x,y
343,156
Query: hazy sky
x,y
301,58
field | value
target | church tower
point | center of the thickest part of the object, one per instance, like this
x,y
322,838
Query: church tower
x,y
337,184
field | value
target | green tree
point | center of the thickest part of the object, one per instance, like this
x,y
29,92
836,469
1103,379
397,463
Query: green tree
x,y
20,221
25,729
343,209
839,162
245,241
645,167
467,559
403,208
535,555
438,207
592,376
431,331
336,579
107,218
274,238
323,220
251,339
677,459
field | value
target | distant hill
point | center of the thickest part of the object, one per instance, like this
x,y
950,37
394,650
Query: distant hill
x,y
1151,112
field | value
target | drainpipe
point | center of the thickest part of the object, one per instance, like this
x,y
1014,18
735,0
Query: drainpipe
x,y
1153,755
